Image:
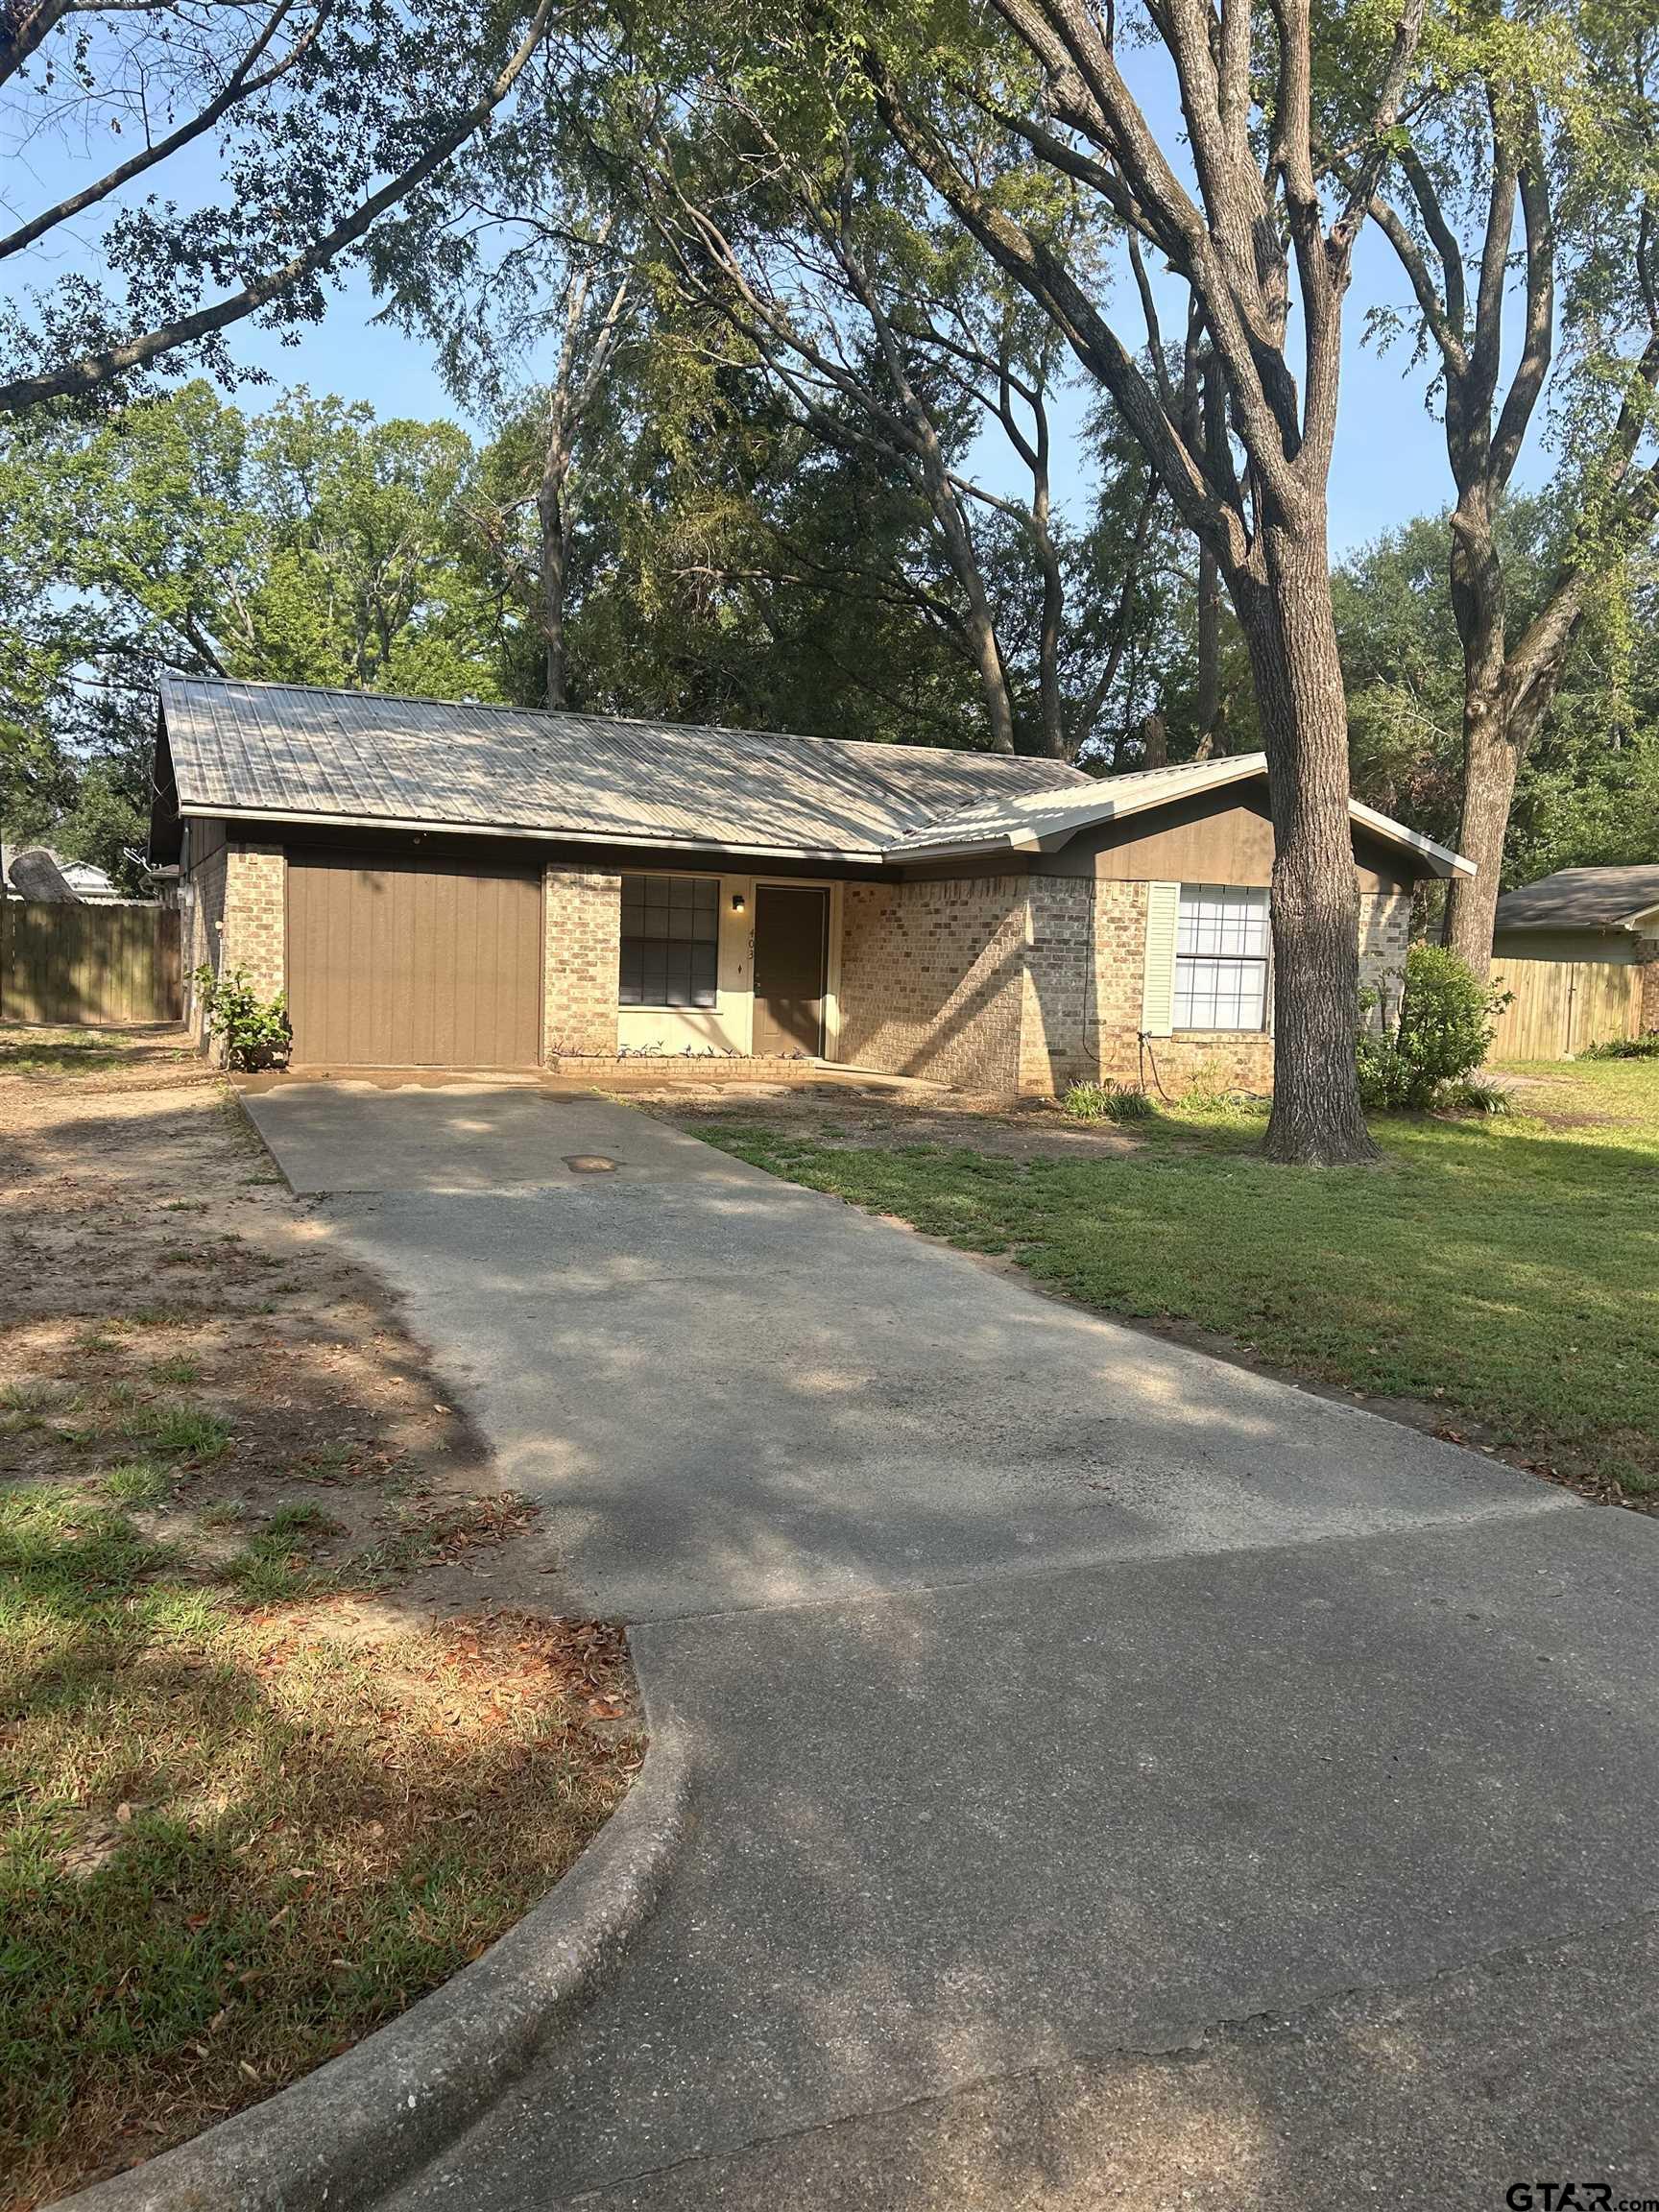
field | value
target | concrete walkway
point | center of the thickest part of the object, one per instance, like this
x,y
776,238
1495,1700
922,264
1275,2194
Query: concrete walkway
x,y
1122,1779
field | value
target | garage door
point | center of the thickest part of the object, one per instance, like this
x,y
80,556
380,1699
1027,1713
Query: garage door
x,y
412,964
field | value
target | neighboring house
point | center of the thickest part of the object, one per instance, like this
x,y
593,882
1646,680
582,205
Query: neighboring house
x,y
1580,953
40,874
439,885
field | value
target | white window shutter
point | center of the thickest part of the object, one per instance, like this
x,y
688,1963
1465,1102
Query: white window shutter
x,y
1158,976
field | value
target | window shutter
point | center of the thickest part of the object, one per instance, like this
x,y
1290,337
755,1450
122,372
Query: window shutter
x,y
1158,976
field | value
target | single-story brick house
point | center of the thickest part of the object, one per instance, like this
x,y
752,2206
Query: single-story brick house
x,y
457,886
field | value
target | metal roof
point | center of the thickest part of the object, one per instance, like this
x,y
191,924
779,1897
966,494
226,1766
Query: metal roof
x,y
284,752
1038,821
294,753
1583,899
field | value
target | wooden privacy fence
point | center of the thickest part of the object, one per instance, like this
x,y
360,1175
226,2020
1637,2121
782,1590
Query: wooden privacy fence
x,y
1559,1007
105,964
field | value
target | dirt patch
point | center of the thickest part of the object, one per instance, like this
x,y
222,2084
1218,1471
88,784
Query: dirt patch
x,y
879,1118
285,1734
154,1259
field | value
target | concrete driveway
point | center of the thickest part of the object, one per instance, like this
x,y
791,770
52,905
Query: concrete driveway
x,y
1123,1780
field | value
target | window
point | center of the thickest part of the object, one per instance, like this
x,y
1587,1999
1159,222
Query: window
x,y
1221,947
670,940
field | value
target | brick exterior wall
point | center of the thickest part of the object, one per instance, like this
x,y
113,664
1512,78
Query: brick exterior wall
x,y
1058,998
1118,936
933,977
581,962
1649,986
1208,1060
1083,1000
255,936
237,919
1384,934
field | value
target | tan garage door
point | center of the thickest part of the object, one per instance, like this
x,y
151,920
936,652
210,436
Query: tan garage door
x,y
412,964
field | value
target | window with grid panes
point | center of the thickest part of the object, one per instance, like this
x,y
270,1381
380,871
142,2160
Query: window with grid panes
x,y
670,940
1221,954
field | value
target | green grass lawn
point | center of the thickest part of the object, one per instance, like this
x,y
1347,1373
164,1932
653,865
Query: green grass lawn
x,y
1506,1270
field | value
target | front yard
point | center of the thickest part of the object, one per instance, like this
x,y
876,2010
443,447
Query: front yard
x,y
270,1767
1495,1279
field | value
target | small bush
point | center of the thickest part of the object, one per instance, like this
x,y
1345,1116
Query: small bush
x,y
1448,1018
1474,1096
1108,1102
1644,1048
252,1032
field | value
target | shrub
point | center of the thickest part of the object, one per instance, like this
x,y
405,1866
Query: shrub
x,y
253,1032
1384,1077
1473,1095
1644,1048
1446,1021
1108,1102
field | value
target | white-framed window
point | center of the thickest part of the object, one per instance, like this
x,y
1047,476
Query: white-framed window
x,y
1221,958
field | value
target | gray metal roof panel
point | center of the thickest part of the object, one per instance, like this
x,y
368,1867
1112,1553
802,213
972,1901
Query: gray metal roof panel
x,y
290,750
1582,898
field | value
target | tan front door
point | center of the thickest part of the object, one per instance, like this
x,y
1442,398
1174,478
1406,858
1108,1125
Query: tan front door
x,y
412,964
791,955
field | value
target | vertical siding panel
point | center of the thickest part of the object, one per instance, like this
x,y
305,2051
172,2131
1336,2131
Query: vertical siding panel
x,y
447,978
415,966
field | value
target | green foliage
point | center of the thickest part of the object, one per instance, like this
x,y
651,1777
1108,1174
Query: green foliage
x,y
253,1032
1108,1102
1474,1096
1643,1047
1446,1021
1588,789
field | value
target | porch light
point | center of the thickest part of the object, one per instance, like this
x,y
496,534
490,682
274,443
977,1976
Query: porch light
x,y
736,902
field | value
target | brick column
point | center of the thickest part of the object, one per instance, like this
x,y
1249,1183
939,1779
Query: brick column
x,y
582,921
254,937
1650,963
1384,939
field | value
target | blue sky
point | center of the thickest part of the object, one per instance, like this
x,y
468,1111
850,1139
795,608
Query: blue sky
x,y
1391,461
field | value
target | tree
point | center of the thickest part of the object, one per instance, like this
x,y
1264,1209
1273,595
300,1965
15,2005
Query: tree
x,y
1587,789
1554,120
519,265
1250,230
325,113
309,544
886,330
732,567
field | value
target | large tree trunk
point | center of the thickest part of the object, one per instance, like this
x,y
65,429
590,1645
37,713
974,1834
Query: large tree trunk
x,y
979,623
1053,619
550,578
1490,758
1491,763
1212,735
1291,637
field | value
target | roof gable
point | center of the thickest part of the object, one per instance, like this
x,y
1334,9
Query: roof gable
x,y
1041,821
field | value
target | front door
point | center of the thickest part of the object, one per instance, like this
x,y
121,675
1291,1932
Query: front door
x,y
791,953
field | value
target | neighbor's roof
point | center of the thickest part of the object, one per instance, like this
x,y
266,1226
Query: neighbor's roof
x,y
1583,899
290,753
1038,821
